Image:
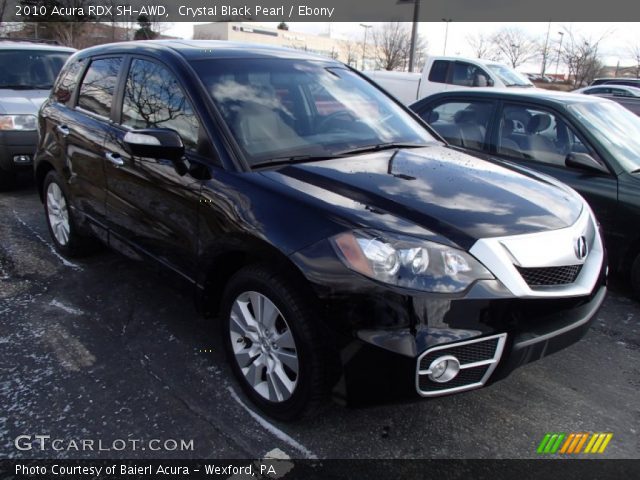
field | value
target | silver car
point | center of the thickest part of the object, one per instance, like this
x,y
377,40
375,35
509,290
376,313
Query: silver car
x,y
27,72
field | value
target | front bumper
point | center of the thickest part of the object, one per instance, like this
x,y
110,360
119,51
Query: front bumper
x,y
555,332
377,366
15,144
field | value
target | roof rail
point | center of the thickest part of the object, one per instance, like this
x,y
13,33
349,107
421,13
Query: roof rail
x,y
30,40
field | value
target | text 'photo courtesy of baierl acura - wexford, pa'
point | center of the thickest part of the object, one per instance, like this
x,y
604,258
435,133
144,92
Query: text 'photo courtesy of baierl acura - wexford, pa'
x,y
369,241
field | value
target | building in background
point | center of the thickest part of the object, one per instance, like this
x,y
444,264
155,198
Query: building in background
x,y
346,51
76,34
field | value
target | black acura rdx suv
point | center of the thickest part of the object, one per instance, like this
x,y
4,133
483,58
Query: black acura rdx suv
x,y
342,246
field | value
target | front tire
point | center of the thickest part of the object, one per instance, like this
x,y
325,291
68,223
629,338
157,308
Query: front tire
x,y
273,344
635,277
64,231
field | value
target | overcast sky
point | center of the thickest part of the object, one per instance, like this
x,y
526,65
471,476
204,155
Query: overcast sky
x,y
616,37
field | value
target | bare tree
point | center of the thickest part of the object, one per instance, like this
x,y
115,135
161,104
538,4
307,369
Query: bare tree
x,y
420,57
633,50
580,55
350,50
482,46
391,41
3,6
515,46
67,30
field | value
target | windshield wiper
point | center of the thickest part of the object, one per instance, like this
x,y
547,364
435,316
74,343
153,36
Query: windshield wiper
x,y
381,146
294,159
637,170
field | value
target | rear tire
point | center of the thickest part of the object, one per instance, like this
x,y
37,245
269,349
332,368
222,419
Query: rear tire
x,y
273,343
67,237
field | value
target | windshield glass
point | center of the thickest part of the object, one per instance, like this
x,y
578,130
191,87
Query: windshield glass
x,y
282,108
30,69
510,77
617,129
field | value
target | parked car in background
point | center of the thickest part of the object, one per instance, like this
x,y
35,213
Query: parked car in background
x,y
27,72
631,82
342,247
628,97
590,143
445,73
605,89
630,103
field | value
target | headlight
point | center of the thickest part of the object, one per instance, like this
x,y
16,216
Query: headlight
x,y
408,262
18,122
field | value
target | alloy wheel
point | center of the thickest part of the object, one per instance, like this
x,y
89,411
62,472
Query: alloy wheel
x,y
58,213
264,346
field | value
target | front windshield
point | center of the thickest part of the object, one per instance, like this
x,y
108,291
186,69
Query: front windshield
x,y
510,77
617,129
30,69
282,108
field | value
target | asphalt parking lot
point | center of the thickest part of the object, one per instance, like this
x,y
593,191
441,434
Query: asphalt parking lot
x,y
106,348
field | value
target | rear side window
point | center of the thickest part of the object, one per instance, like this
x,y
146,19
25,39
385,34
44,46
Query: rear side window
x,y
461,123
67,83
98,86
593,91
438,71
154,99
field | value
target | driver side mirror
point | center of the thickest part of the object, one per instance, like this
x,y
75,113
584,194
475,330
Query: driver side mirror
x,y
490,82
584,161
155,143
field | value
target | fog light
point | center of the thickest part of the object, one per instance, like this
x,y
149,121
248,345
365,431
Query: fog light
x,y
444,369
21,159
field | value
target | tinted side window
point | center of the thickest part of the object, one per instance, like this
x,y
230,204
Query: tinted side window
x,y
534,133
438,71
468,75
153,99
461,123
67,83
98,86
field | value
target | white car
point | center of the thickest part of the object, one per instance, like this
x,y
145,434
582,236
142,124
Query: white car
x,y
618,90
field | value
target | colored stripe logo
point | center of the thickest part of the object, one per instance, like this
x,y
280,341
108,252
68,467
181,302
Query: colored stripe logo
x,y
574,443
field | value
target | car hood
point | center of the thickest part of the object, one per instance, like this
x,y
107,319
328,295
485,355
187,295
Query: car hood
x,y
444,191
16,102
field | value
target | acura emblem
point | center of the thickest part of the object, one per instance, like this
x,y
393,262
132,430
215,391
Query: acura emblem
x,y
581,248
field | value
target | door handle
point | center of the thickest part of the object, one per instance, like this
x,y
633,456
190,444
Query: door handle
x,y
63,130
114,158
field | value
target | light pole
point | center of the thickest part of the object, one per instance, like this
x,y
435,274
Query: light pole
x,y
559,51
446,34
364,44
414,34
545,51
414,30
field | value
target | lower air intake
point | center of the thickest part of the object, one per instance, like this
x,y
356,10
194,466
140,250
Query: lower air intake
x,y
478,359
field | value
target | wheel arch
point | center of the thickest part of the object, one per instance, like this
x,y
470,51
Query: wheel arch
x,y
42,169
222,260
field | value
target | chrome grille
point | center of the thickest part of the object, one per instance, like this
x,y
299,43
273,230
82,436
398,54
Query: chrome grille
x,y
550,276
478,358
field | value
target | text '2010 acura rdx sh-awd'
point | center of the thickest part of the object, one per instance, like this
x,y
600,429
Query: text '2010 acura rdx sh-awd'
x,y
341,245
